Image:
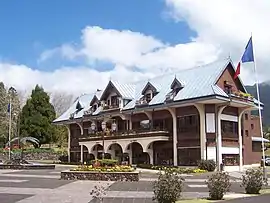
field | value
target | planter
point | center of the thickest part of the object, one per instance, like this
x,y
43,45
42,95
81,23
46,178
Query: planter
x,y
100,176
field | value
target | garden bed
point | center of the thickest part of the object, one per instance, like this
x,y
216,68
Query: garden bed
x,y
27,166
100,175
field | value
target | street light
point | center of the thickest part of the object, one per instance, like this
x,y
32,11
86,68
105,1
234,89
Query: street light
x,y
103,126
114,126
93,126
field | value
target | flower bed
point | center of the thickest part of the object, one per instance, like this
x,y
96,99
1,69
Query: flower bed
x,y
100,176
101,173
104,169
173,168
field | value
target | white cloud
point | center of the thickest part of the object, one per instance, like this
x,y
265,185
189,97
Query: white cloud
x,y
229,24
222,27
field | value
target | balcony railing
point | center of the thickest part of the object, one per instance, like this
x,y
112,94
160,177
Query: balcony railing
x,y
110,107
241,96
141,102
128,133
169,97
88,112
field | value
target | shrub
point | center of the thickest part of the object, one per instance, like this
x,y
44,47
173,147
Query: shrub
x,y
208,165
105,162
168,187
252,181
218,184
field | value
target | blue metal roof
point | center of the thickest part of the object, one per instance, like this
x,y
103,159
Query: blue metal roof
x,y
198,82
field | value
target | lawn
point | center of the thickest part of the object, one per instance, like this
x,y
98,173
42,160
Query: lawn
x,y
194,201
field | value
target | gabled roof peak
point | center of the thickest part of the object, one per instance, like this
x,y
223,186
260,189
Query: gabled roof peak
x,y
147,86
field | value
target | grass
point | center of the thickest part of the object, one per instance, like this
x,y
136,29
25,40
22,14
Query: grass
x,y
265,191
195,201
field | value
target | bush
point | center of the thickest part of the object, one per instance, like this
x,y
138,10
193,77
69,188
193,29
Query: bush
x,y
168,187
105,162
252,181
218,184
208,165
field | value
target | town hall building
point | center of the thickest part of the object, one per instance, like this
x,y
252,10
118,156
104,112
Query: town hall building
x,y
174,119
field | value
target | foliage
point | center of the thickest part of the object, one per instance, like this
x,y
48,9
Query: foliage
x,y
105,162
218,184
119,168
175,169
37,116
168,187
252,181
5,97
61,136
208,165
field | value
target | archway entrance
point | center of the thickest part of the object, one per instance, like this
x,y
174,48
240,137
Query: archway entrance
x,y
116,152
138,156
97,150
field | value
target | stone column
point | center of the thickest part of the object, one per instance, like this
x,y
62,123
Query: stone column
x,y
69,140
82,154
173,113
201,110
219,136
240,113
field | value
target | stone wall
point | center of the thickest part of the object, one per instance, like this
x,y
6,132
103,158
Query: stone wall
x,y
34,156
100,176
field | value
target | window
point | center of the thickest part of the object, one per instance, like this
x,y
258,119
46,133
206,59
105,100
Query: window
x,y
148,97
188,123
108,102
229,127
252,126
256,147
227,87
114,101
94,107
246,132
246,116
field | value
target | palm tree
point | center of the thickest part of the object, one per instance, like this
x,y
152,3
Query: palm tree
x,y
23,141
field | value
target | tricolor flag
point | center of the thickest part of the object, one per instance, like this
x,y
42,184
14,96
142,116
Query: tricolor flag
x,y
248,56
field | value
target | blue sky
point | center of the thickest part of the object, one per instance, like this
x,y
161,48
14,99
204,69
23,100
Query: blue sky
x,y
77,45
29,27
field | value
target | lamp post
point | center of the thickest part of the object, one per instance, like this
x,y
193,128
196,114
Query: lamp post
x,y
114,126
103,126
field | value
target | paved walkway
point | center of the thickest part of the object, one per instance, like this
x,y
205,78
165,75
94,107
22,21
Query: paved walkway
x,y
43,186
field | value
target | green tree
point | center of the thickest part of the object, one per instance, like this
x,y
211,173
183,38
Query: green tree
x,y
7,96
3,114
37,116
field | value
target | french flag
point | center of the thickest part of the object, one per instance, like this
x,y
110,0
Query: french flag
x,y
248,56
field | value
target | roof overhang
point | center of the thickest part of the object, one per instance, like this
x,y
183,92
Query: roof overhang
x,y
259,139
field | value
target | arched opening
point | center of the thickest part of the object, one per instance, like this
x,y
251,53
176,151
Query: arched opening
x,y
162,152
138,156
116,151
97,150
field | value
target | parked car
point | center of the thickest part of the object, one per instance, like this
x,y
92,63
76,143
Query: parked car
x,y
267,161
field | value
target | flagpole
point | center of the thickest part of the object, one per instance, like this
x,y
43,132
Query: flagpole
x,y
260,115
9,130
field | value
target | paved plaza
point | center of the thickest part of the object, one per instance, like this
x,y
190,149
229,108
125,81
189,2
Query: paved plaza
x,y
42,186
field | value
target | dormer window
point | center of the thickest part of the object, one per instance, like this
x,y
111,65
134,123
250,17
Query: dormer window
x,y
148,92
176,86
94,108
148,97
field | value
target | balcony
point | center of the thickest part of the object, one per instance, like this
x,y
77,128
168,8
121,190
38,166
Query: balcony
x,y
141,102
241,96
107,107
88,112
108,135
